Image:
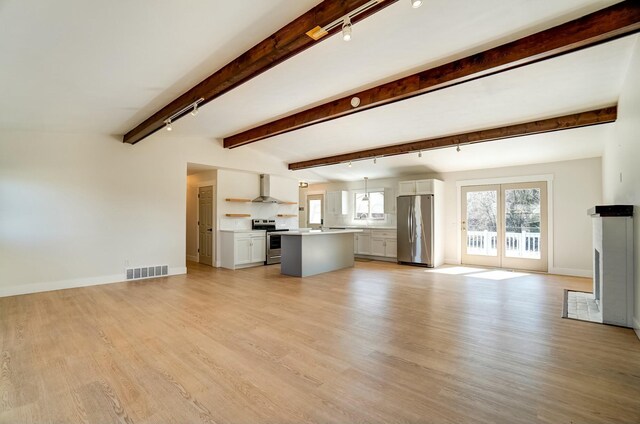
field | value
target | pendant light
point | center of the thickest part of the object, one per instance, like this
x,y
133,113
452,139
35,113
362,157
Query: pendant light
x,y
366,192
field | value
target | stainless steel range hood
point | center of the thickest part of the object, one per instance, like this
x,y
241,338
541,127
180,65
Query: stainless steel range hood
x,y
265,191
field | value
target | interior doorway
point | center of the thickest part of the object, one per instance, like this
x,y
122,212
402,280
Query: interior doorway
x,y
505,225
315,210
205,225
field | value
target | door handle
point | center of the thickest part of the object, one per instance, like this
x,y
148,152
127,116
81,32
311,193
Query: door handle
x,y
209,229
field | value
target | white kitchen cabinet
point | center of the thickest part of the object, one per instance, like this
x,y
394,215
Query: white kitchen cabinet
x,y
377,246
407,188
240,249
384,243
424,187
381,243
362,243
389,201
391,248
337,202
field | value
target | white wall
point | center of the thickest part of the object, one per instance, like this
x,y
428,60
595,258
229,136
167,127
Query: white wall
x,y
621,161
194,182
75,209
577,186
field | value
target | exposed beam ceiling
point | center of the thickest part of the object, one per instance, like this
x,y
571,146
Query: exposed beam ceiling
x,y
280,46
558,123
605,25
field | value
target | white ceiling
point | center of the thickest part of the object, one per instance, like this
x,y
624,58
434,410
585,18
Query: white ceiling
x,y
81,66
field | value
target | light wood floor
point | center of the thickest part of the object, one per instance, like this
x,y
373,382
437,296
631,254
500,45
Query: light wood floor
x,y
377,343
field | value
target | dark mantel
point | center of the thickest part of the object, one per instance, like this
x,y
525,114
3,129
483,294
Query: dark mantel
x,y
611,210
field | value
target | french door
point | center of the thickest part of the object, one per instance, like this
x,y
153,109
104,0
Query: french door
x,y
505,225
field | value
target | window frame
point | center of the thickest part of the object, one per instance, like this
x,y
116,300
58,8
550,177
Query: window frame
x,y
356,193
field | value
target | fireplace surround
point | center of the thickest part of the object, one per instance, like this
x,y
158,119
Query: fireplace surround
x,y
613,263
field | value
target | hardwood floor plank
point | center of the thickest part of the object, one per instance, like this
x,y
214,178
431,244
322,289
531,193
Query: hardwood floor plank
x,y
376,343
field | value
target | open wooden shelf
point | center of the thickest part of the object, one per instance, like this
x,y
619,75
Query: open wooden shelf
x,y
237,215
289,203
238,200
286,215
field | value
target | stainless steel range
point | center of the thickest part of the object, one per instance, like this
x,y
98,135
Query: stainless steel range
x,y
274,245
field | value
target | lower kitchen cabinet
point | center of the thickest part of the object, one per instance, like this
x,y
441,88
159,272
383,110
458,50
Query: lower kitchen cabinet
x,y
362,245
242,249
379,243
384,247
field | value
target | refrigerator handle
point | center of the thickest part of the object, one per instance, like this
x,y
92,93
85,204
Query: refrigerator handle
x,y
411,226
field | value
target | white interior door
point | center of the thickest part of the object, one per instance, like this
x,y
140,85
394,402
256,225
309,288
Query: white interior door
x,y
205,225
505,225
315,210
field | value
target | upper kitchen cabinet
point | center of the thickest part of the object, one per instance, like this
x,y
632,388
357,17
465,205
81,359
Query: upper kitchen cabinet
x,y
407,188
337,202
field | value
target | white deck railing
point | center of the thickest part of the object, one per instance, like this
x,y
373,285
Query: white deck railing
x,y
522,245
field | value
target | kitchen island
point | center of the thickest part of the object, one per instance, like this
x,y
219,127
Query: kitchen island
x,y
306,253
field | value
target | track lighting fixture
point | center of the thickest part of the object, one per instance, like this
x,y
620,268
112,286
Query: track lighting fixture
x,y
420,154
458,148
375,160
416,3
349,164
346,29
193,107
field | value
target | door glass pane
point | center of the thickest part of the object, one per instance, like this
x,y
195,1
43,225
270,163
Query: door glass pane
x,y
482,211
522,223
315,211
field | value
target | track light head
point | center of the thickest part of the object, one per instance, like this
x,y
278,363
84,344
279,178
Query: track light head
x,y
168,125
416,3
349,164
420,154
346,29
195,111
458,148
375,160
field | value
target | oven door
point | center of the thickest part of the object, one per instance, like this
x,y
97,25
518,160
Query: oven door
x,y
274,248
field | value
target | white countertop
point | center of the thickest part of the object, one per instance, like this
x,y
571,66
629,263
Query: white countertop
x,y
319,232
362,227
242,231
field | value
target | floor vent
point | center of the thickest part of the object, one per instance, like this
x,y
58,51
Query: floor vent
x,y
147,272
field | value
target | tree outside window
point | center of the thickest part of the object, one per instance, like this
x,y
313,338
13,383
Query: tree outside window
x,y
373,209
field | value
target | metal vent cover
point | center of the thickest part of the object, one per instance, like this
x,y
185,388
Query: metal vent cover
x,y
146,272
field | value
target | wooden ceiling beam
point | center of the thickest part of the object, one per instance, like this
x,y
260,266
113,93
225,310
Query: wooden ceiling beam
x,y
279,47
598,27
558,123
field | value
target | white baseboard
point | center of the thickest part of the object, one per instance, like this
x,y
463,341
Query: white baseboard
x,y
587,273
451,261
193,258
636,326
74,283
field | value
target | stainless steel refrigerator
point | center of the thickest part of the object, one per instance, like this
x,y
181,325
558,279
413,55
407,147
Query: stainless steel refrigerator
x,y
415,229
